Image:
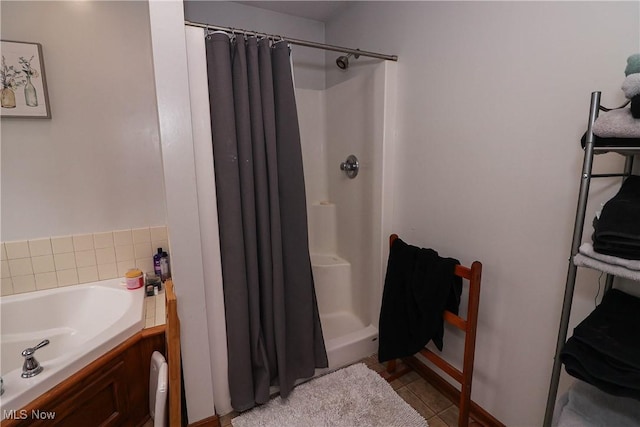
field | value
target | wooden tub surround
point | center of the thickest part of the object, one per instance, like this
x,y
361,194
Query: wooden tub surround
x,y
114,389
172,334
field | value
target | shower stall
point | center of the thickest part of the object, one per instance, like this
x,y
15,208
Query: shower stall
x,y
348,216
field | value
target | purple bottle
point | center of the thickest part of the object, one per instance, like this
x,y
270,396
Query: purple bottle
x,y
156,263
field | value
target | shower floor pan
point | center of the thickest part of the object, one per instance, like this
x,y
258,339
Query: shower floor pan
x,y
347,337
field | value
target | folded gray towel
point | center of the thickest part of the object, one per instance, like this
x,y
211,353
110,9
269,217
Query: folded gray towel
x,y
586,249
585,261
590,406
617,124
631,85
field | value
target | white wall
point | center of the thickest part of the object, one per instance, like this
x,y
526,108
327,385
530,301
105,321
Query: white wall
x,y
492,100
96,164
309,63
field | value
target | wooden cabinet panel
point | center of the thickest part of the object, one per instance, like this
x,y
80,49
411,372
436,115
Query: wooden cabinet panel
x,y
103,402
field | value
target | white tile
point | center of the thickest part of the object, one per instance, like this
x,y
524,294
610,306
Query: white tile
x,y
164,244
4,269
85,258
62,244
107,271
39,247
103,240
124,266
23,284
106,255
82,242
3,252
88,274
161,317
149,322
6,287
122,237
65,261
150,307
143,250
125,253
43,264
161,299
20,267
145,264
46,280
67,277
141,235
158,233
17,249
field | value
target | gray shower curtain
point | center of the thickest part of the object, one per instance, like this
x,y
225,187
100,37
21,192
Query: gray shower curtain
x,y
274,334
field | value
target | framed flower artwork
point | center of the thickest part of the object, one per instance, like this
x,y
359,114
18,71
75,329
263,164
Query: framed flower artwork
x,y
22,81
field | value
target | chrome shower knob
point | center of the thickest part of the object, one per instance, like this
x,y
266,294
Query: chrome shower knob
x,y
351,166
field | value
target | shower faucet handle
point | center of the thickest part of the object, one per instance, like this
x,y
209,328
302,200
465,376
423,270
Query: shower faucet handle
x,y
350,166
31,367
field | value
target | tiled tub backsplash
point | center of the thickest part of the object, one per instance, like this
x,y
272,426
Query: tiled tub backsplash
x,y
37,264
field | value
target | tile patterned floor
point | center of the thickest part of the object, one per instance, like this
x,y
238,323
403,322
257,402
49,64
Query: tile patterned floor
x,y
438,410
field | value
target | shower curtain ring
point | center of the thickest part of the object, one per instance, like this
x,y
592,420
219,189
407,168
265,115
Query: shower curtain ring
x,y
276,41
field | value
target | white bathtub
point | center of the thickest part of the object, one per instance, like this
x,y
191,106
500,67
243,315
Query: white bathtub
x,y
81,322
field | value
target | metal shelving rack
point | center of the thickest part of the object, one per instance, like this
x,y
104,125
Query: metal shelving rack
x,y
585,180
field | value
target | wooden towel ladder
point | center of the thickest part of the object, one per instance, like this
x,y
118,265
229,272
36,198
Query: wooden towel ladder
x,y
467,326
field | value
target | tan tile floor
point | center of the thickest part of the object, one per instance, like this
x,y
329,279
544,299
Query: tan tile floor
x,y
438,410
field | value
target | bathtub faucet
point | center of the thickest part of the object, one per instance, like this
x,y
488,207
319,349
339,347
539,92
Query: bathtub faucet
x,y
31,367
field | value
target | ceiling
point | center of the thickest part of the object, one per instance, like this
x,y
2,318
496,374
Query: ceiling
x,y
317,10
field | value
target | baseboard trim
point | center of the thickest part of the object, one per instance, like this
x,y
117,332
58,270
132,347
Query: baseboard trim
x,y
212,421
478,413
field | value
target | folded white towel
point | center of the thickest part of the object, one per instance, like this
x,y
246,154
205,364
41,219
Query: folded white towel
x,y
631,85
617,124
631,264
585,261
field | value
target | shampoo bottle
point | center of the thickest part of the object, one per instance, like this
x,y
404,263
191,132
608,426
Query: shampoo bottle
x,y
156,263
164,266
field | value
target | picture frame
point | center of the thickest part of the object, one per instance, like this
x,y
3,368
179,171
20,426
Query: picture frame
x,y
23,85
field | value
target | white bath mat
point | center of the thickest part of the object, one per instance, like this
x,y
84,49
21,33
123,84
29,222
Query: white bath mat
x,y
354,396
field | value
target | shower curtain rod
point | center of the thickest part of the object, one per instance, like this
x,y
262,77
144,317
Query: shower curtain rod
x,y
295,41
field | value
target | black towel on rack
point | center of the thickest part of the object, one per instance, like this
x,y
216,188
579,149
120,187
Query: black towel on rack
x,y
613,328
635,107
616,246
419,286
589,365
617,231
605,347
611,142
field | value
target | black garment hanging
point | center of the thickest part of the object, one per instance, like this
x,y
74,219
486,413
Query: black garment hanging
x,y
419,286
